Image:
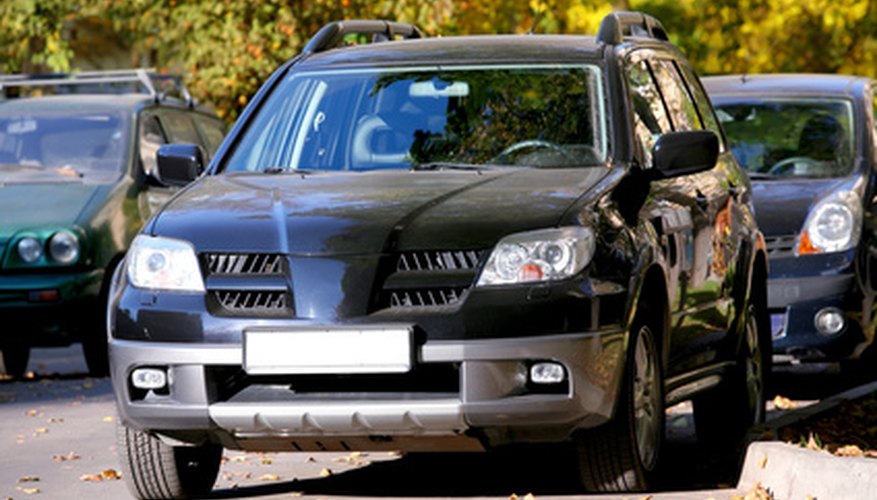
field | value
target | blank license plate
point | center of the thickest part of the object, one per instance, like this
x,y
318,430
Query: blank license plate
x,y
308,351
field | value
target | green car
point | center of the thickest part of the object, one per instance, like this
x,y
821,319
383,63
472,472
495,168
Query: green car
x,y
77,182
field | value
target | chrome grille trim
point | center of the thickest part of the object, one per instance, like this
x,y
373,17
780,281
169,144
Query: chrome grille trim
x,y
438,260
237,301
426,297
244,264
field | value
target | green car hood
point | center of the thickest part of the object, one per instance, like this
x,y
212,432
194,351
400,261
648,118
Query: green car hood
x,y
32,206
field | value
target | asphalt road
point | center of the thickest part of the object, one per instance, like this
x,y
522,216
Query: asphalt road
x,y
57,433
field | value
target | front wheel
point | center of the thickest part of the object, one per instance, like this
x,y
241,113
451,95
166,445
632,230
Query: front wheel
x,y
623,454
723,415
153,469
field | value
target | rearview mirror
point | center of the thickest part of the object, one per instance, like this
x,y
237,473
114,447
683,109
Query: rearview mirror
x,y
179,164
684,153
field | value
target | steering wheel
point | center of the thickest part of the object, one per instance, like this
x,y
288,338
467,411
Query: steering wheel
x,y
785,164
503,157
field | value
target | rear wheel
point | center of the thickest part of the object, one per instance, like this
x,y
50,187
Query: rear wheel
x,y
623,454
14,359
723,415
153,469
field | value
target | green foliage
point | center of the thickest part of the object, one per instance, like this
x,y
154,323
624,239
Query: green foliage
x,y
227,47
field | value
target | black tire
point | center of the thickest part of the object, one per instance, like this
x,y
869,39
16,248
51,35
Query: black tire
x,y
155,470
14,359
623,455
94,339
724,414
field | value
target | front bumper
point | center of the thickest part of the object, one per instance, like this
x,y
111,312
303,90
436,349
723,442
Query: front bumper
x,y
49,309
488,405
794,303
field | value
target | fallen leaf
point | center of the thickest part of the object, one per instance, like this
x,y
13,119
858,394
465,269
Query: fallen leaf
x,y
109,419
110,475
784,403
530,496
40,430
267,461
64,458
30,375
813,443
239,458
28,479
269,477
92,478
763,462
55,420
325,472
849,450
31,413
29,491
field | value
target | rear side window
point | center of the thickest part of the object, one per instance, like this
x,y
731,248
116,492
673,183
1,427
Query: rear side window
x,y
707,116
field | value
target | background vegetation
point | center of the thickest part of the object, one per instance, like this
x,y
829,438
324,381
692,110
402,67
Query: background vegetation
x,y
226,48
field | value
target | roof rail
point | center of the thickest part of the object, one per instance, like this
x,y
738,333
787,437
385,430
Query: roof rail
x,y
333,33
157,85
617,25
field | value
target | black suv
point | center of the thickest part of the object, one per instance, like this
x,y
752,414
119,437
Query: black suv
x,y
807,142
447,244
77,182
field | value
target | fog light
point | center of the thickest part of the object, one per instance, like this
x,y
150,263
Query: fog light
x,y
547,373
829,321
149,378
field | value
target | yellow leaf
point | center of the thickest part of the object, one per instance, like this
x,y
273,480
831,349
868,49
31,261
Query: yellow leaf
x,y
110,475
325,472
28,479
269,477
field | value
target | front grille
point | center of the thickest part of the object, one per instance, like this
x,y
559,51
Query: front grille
x,y
244,264
781,246
236,301
248,285
437,261
429,278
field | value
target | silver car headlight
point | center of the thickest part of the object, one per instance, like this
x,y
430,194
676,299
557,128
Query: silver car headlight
x,y
157,263
833,225
544,255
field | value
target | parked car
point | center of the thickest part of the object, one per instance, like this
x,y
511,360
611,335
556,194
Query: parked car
x,y
807,142
77,182
450,243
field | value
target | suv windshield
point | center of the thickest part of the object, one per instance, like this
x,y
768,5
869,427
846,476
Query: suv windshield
x,y
428,117
785,137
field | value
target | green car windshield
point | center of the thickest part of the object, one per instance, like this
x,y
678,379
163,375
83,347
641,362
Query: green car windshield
x,y
50,146
790,137
428,117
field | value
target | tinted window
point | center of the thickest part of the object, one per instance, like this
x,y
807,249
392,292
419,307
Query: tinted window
x,y
790,137
543,116
180,127
649,115
703,104
682,110
212,130
151,137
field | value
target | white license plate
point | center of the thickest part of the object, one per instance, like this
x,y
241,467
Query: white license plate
x,y
317,350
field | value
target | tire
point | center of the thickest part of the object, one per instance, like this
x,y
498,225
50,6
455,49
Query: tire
x,y
723,415
155,470
94,339
14,359
623,455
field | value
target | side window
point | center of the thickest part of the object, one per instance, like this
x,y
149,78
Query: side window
x,y
151,138
707,115
180,128
676,96
212,131
649,115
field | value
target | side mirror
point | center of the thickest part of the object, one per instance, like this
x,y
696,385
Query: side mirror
x,y
179,164
683,153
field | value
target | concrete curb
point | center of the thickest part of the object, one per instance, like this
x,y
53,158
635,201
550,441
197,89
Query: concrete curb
x,y
791,472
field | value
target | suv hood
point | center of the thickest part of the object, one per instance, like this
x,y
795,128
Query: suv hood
x,y
26,206
781,206
371,212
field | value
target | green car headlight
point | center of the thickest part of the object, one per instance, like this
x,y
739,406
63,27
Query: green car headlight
x,y
30,249
64,247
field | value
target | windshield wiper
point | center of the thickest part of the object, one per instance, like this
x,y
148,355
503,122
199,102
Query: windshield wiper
x,y
439,165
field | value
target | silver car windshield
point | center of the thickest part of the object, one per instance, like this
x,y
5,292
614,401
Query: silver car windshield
x,y
790,137
400,118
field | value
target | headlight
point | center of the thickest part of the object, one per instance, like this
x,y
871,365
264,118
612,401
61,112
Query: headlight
x,y
64,247
545,255
30,249
164,264
833,225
